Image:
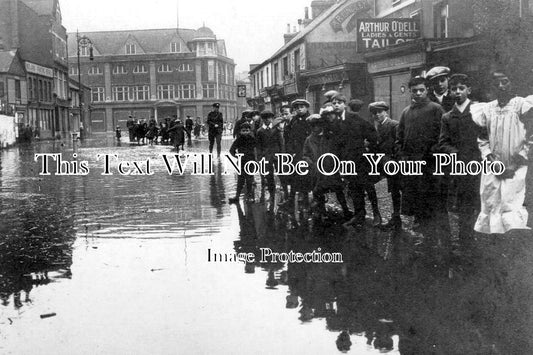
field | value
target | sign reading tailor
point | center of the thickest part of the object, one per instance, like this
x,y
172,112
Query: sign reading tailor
x,y
381,33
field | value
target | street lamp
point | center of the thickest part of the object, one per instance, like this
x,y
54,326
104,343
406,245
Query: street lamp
x,y
83,42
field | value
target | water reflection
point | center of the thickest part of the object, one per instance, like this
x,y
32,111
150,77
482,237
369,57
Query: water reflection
x,y
394,295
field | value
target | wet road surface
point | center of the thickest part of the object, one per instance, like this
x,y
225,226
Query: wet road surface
x,y
119,265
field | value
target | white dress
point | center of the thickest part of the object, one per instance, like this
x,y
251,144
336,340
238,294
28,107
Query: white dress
x,y
502,200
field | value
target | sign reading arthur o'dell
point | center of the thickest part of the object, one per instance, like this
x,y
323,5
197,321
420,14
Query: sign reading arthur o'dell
x,y
380,33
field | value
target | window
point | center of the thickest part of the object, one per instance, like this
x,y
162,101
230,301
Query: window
x,y
120,93
141,92
211,70
41,90
84,51
49,91
73,70
201,49
119,69
95,70
18,92
275,73
175,47
130,49
285,66
187,91
97,94
164,68
185,67
209,90
165,92
141,68
210,48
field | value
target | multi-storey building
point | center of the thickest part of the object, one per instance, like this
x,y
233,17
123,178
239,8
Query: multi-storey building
x,y
155,73
368,49
34,28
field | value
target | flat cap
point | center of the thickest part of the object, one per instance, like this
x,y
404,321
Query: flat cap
x,y
216,104
378,105
314,119
330,94
267,114
300,102
436,72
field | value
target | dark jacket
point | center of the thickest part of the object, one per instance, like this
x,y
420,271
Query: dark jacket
x,y
215,118
296,132
418,131
269,142
447,100
349,136
386,143
459,135
244,145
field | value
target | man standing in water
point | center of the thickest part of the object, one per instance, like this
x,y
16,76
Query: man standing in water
x,y
215,122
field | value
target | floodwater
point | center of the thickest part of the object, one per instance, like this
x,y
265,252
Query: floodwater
x,y
123,264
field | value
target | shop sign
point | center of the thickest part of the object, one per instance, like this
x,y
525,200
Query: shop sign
x,y
381,33
348,15
37,69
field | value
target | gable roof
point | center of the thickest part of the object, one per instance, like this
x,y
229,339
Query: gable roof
x,y
10,63
109,42
41,7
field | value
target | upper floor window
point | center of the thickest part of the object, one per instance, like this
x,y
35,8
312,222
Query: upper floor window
x,y
187,91
165,92
175,47
94,70
120,93
141,68
73,71
440,22
164,68
84,51
130,49
209,90
97,94
185,67
141,92
119,69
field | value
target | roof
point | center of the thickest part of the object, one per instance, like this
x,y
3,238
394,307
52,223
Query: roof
x,y
41,7
109,42
6,59
205,32
310,27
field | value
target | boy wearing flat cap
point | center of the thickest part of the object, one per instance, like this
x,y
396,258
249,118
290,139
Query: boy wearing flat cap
x,y
438,80
386,128
269,142
215,122
296,132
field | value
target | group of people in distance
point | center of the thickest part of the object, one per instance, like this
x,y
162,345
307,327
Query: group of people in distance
x,y
440,119
167,131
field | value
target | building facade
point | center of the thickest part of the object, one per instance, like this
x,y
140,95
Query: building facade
x,y
369,49
153,74
34,28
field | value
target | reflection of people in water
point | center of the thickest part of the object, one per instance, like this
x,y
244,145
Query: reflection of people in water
x,y
217,190
343,341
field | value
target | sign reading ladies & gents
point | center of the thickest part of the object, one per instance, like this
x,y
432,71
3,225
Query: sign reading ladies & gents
x,y
380,33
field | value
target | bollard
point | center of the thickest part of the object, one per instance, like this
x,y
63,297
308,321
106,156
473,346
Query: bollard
x,y
75,141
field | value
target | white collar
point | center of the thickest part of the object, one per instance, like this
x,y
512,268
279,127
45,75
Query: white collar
x,y
439,97
265,126
462,107
343,116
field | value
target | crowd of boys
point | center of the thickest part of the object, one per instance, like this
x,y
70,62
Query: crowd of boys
x,y
440,119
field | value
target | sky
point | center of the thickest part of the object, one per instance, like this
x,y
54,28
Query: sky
x,y
253,29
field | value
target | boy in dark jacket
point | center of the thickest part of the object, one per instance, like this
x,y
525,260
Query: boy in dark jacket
x,y
269,143
459,135
244,144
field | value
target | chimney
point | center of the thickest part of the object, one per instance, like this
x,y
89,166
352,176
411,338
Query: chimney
x,y
319,6
288,28
300,25
306,21
289,35
294,29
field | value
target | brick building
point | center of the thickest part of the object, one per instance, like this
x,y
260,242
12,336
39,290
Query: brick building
x,y
403,38
155,73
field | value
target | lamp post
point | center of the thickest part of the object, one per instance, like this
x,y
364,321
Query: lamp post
x,y
83,42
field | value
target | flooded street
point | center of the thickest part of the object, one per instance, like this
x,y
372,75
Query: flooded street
x,y
119,265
